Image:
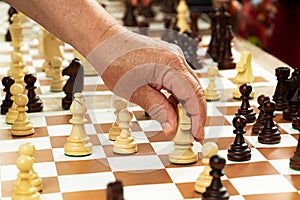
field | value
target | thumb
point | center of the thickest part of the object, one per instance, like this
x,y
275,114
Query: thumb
x,y
158,107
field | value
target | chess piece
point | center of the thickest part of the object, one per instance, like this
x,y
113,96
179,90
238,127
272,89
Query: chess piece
x,y
35,104
88,69
78,143
216,190
115,131
204,180
183,140
269,134
22,186
225,60
244,74
282,74
28,149
129,18
295,160
11,12
12,113
292,84
57,82
17,67
51,47
295,119
146,10
245,108
7,82
75,82
168,7
16,30
213,47
211,93
115,191
194,25
239,150
260,121
182,21
22,126
125,143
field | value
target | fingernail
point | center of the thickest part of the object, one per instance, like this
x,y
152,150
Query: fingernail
x,y
166,127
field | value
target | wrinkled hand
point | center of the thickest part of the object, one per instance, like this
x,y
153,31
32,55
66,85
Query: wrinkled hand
x,y
137,68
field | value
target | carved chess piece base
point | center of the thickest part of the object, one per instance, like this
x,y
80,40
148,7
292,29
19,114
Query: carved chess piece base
x,y
114,132
125,145
183,155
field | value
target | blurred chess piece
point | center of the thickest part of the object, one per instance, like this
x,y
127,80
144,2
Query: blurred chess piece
x,y
244,74
125,143
78,143
28,149
204,180
57,82
115,131
23,189
182,16
52,46
17,67
16,31
211,93
183,140
12,113
22,126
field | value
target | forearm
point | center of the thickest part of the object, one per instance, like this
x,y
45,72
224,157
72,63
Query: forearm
x,y
81,23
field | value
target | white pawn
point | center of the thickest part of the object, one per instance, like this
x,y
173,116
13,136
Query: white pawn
x,y
22,126
78,143
17,68
23,189
57,82
125,143
115,131
16,30
211,93
244,74
12,113
28,149
182,18
183,140
203,181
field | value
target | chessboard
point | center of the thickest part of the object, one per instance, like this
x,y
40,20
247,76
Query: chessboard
x,y
147,174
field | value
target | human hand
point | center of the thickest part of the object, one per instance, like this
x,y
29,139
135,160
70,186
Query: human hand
x,y
137,68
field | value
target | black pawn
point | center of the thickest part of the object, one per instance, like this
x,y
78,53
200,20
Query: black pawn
x,y
269,134
74,83
129,18
216,190
7,82
115,191
239,150
245,108
282,74
34,104
260,121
